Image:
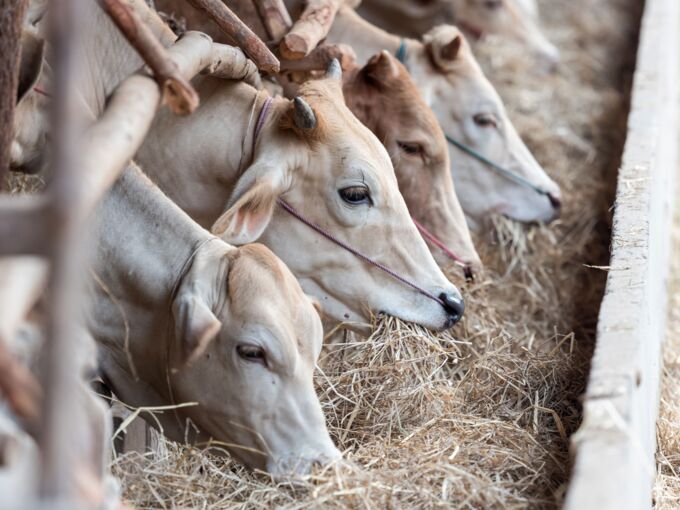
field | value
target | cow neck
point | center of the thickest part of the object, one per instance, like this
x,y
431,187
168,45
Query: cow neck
x,y
144,243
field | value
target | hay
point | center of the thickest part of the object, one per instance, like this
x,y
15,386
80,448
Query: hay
x,y
667,487
481,420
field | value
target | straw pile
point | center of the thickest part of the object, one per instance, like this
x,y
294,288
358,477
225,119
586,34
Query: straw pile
x,y
479,417
481,420
667,489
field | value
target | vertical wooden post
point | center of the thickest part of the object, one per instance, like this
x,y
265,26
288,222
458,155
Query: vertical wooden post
x,y
12,14
275,18
63,413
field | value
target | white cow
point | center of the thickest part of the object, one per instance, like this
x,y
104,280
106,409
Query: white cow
x,y
180,317
335,172
469,111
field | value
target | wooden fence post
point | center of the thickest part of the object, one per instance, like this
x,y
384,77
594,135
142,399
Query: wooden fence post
x,y
11,19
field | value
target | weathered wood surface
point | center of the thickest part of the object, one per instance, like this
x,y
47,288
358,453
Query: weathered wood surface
x,y
275,18
310,29
11,18
320,57
615,446
239,32
178,93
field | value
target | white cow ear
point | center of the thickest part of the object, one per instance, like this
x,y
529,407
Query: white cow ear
x,y
195,326
444,44
248,217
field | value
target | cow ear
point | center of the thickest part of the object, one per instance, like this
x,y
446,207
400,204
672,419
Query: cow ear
x,y
444,45
252,205
381,69
31,64
195,326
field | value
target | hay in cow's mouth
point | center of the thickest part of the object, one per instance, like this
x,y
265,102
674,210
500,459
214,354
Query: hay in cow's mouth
x,y
478,417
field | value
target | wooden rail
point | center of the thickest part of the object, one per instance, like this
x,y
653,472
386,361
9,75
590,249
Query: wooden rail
x,y
615,446
85,162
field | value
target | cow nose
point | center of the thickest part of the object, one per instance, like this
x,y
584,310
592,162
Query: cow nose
x,y
454,306
555,201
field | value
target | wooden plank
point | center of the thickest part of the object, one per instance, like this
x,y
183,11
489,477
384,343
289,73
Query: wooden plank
x,y
615,446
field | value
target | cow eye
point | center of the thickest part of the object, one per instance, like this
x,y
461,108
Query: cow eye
x,y
356,195
252,353
485,120
411,149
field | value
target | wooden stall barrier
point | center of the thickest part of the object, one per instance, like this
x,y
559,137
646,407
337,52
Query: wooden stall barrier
x,y
615,445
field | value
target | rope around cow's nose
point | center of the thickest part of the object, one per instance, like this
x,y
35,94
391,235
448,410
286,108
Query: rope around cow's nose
x,y
325,233
291,210
401,56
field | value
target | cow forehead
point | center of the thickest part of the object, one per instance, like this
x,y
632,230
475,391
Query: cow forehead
x,y
263,290
340,128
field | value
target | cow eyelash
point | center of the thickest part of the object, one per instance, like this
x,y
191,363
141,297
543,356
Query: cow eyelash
x,y
356,195
485,120
411,149
252,354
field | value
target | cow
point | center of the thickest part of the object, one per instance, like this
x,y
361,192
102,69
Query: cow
x,y
470,112
182,317
384,98
467,106
512,20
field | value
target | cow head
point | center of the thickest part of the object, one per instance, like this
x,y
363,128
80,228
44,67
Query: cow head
x,y
510,19
383,96
246,342
470,111
332,169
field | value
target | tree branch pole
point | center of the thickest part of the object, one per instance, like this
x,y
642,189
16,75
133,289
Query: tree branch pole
x,y
239,32
11,19
178,93
320,57
310,29
275,18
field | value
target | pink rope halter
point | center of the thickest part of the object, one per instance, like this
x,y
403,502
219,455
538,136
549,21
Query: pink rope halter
x,y
331,237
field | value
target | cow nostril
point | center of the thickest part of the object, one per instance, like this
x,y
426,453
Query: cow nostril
x,y
453,305
555,201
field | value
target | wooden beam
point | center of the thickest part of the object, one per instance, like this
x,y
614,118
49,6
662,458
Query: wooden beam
x,y
320,57
310,29
178,93
24,229
239,32
275,18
